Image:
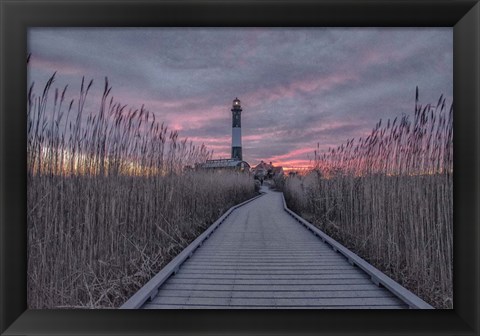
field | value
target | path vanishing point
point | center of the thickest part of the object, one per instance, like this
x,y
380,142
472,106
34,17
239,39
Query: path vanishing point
x,y
262,255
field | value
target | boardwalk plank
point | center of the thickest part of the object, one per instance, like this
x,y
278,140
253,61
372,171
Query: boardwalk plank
x,y
263,276
260,263
329,287
265,267
267,254
204,260
273,282
192,306
318,302
276,294
272,272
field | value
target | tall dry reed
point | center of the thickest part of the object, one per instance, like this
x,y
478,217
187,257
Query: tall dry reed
x,y
389,197
109,200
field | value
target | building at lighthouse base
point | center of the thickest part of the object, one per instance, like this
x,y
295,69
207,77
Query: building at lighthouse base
x,y
225,164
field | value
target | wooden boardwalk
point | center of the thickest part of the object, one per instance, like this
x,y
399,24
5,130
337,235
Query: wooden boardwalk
x,y
260,257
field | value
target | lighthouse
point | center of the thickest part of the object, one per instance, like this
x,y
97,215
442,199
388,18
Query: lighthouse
x,y
236,130
235,162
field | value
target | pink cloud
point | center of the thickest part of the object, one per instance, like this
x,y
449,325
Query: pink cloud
x,y
179,114
249,51
192,120
60,67
294,154
307,85
379,56
220,145
256,137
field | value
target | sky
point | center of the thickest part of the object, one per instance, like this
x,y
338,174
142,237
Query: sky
x,y
299,87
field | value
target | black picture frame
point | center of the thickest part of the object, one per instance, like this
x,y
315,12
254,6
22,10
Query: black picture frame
x,y
17,16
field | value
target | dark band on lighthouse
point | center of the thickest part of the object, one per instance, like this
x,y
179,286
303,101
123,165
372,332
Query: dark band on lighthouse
x,y
236,130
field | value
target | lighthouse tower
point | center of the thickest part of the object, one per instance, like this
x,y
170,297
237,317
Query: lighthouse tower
x,y
236,130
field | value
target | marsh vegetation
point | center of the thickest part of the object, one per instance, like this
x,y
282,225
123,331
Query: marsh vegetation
x,y
109,199
389,198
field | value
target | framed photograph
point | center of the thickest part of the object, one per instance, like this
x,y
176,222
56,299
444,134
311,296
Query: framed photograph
x,y
34,26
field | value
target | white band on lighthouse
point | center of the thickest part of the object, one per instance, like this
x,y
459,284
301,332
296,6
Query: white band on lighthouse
x,y
236,137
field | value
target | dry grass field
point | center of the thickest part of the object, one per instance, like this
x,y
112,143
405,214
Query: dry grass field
x,y
389,198
109,199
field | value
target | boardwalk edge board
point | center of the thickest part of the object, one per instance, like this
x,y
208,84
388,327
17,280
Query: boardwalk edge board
x,y
150,289
378,277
